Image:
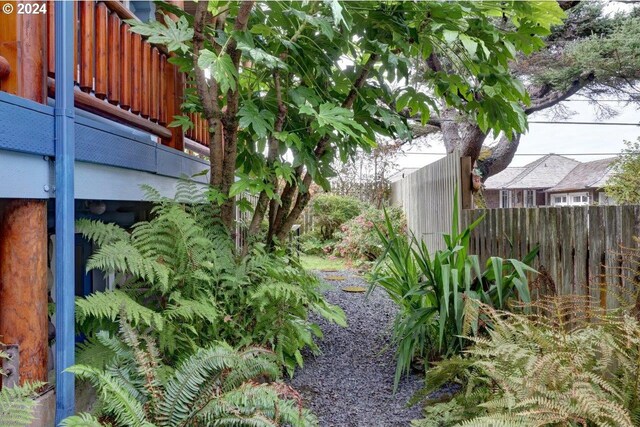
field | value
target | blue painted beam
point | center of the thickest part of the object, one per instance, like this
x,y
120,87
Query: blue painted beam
x,y
64,115
28,127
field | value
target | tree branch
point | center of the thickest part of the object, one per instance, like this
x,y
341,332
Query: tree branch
x,y
302,199
272,154
544,97
208,95
230,119
501,156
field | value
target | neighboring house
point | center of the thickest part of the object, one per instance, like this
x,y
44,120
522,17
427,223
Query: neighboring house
x,y
526,186
583,185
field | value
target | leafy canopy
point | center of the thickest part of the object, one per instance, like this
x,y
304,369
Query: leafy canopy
x,y
308,57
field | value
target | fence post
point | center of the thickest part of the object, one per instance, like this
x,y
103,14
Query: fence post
x,y
466,193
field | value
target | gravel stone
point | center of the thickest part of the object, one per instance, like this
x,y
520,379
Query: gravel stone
x,y
350,384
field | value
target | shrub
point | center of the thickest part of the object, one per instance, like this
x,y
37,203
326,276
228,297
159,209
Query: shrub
x,y
216,385
358,238
552,368
432,291
178,274
312,244
624,183
330,211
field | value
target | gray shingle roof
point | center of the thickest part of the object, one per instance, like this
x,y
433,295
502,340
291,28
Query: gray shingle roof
x,y
500,180
586,176
545,172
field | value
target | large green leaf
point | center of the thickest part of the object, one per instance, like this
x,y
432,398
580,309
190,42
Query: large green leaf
x,y
221,67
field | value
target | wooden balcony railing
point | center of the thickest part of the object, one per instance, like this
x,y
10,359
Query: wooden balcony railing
x,y
120,75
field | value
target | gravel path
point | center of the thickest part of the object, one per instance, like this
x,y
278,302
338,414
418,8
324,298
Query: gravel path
x,y
351,383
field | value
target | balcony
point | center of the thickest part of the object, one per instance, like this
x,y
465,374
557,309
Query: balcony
x,y
126,92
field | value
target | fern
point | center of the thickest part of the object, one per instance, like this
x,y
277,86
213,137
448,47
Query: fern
x,y
555,366
99,232
108,305
17,403
81,420
179,275
215,386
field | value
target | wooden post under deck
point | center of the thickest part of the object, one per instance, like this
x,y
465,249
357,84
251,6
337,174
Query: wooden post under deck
x,y
23,284
23,223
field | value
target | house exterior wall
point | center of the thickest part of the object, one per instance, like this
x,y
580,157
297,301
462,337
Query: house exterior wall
x,y
492,198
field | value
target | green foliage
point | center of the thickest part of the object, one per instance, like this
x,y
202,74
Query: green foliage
x,y
17,403
567,365
312,244
178,275
292,59
321,263
216,385
624,184
330,211
432,291
360,241
603,48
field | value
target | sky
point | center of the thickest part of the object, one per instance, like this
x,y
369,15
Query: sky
x,y
573,140
558,138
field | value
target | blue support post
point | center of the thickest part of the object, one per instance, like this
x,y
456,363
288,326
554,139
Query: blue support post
x,y
65,240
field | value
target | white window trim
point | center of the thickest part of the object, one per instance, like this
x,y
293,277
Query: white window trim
x,y
509,198
569,199
533,198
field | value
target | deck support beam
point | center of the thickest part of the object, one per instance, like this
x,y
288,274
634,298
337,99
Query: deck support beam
x,y
23,227
23,285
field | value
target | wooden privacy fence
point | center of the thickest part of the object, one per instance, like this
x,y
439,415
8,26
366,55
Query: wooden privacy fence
x,y
584,250
426,197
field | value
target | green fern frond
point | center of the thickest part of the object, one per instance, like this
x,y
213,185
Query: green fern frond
x,y
95,353
123,257
214,386
109,304
188,309
101,233
185,386
117,401
81,420
534,371
17,404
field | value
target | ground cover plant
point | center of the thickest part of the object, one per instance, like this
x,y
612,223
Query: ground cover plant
x,y
565,364
312,262
216,385
432,290
179,275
